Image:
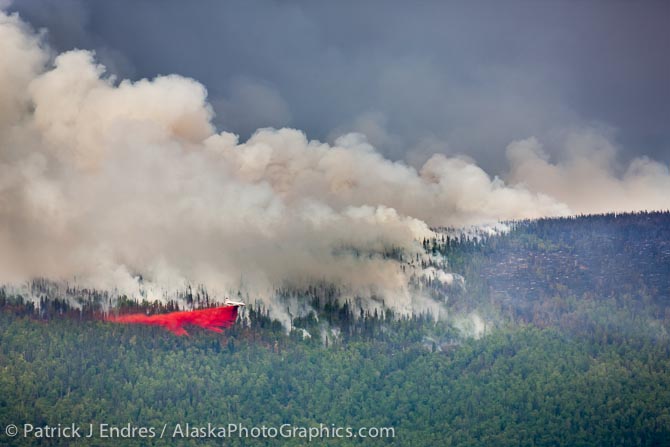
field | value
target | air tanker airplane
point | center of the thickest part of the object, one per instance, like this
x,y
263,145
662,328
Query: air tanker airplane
x,y
229,302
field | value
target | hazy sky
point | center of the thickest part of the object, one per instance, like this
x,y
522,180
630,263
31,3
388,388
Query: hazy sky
x,y
416,77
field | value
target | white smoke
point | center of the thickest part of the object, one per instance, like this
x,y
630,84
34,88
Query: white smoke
x,y
587,179
102,180
471,325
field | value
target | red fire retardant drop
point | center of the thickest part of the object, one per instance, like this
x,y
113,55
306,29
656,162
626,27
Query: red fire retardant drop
x,y
213,319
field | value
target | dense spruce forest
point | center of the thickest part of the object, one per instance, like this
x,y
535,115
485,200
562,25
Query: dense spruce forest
x,y
575,352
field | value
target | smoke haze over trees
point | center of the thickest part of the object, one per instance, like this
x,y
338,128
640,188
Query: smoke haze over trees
x,y
108,180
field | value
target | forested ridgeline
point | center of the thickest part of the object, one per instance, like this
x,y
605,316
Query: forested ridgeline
x,y
577,353
578,273
584,273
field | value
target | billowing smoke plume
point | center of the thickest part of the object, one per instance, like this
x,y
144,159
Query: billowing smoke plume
x,y
587,179
104,180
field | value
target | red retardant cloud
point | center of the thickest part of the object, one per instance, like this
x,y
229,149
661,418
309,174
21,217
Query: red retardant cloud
x,y
213,319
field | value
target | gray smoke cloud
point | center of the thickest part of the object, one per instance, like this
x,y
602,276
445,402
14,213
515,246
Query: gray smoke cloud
x,y
589,178
418,79
104,179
